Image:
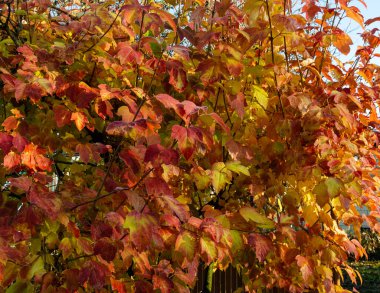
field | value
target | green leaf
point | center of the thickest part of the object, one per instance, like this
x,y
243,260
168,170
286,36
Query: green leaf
x,y
250,214
261,96
208,250
20,286
37,268
322,196
221,176
185,245
237,167
333,186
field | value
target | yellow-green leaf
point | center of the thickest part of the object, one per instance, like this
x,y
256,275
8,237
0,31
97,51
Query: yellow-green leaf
x,y
250,214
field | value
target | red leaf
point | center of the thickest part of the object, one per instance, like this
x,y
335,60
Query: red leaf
x,y
186,138
130,159
162,283
96,273
310,9
177,75
88,152
127,55
103,109
28,53
6,142
62,115
71,278
22,182
19,90
180,210
19,142
157,154
184,109
220,121
261,244
80,93
156,187
47,201
170,221
167,100
372,20
106,249
33,157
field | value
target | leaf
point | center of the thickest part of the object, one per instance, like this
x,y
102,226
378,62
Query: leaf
x,y
45,200
261,96
96,273
34,158
261,244
19,142
6,142
89,152
10,123
186,140
354,13
177,75
310,214
36,269
12,160
333,186
62,115
185,244
372,20
250,214
208,250
322,195
180,210
23,182
167,17
220,121
306,267
342,41
141,228
184,109
237,167
105,248
162,283
220,176
80,120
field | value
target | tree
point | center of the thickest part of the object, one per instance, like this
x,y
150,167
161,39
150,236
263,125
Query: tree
x,y
178,132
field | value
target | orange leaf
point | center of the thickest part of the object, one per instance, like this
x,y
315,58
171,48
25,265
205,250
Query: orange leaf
x,y
80,120
33,157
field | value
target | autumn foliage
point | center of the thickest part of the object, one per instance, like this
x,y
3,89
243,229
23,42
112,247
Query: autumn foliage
x,y
142,138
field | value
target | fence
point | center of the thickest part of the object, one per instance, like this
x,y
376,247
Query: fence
x,y
227,281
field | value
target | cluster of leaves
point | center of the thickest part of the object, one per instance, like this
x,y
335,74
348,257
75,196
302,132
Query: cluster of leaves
x,y
140,138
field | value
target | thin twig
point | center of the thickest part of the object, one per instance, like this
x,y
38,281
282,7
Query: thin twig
x,y
106,32
72,17
116,190
143,100
272,51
